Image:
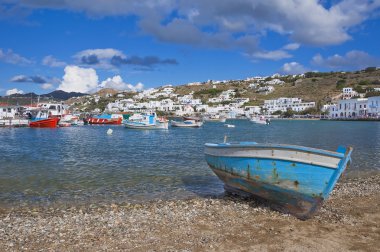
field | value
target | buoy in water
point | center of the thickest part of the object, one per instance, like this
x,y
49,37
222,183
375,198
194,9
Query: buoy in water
x,y
109,132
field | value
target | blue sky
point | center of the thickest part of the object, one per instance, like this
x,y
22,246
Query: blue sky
x,y
85,45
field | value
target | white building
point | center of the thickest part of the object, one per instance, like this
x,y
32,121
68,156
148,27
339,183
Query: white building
x,y
252,110
275,82
283,104
266,89
374,106
224,96
350,108
348,93
184,110
166,105
254,85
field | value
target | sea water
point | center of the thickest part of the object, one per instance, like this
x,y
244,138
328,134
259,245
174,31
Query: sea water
x,y
85,164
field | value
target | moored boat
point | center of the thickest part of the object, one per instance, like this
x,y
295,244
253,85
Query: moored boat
x,y
105,119
42,120
187,124
260,120
10,116
214,118
146,121
294,179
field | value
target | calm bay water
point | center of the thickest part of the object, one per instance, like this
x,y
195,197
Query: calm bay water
x,y
84,164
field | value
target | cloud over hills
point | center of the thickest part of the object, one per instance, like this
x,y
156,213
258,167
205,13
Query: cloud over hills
x,y
86,80
350,61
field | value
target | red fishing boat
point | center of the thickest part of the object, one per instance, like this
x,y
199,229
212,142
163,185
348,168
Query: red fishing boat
x,y
42,120
105,119
44,123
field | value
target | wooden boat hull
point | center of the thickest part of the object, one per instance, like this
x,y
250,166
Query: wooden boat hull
x,y
293,179
45,123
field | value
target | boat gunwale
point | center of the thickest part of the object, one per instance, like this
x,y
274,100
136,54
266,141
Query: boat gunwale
x,y
277,146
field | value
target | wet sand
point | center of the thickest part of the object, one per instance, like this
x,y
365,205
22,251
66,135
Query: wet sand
x,y
348,220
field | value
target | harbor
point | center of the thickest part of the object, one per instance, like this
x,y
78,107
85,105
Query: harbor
x,y
189,125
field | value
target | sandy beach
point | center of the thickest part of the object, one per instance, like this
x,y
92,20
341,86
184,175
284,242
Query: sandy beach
x,y
349,220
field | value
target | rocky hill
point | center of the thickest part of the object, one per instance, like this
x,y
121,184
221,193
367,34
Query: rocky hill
x,y
319,87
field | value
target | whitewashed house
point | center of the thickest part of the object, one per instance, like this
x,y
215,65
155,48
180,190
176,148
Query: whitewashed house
x,y
184,110
166,105
348,93
252,110
275,82
201,108
283,104
227,95
240,101
254,85
266,89
215,100
350,108
374,106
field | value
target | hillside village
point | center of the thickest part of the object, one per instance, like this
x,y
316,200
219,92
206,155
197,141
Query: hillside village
x,y
328,95
289,95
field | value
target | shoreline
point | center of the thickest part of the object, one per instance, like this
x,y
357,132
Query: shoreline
x,y
349,219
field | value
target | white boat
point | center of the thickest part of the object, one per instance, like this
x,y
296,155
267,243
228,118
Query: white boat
x,y
70,119
260,120
214,118
10,116
187,124
146,121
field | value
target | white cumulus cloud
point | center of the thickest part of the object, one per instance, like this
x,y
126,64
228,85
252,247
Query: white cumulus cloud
x,y
14,91
77,79
352,60
293,68
271,55
117,83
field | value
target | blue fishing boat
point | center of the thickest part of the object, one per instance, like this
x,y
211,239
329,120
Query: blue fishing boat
x,y
293,179
146,121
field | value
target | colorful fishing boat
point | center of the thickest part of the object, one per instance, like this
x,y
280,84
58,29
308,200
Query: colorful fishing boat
x,y
294,179
105,119
42,120
146,121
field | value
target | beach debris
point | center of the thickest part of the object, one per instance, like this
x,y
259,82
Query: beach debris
x,y
109,132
